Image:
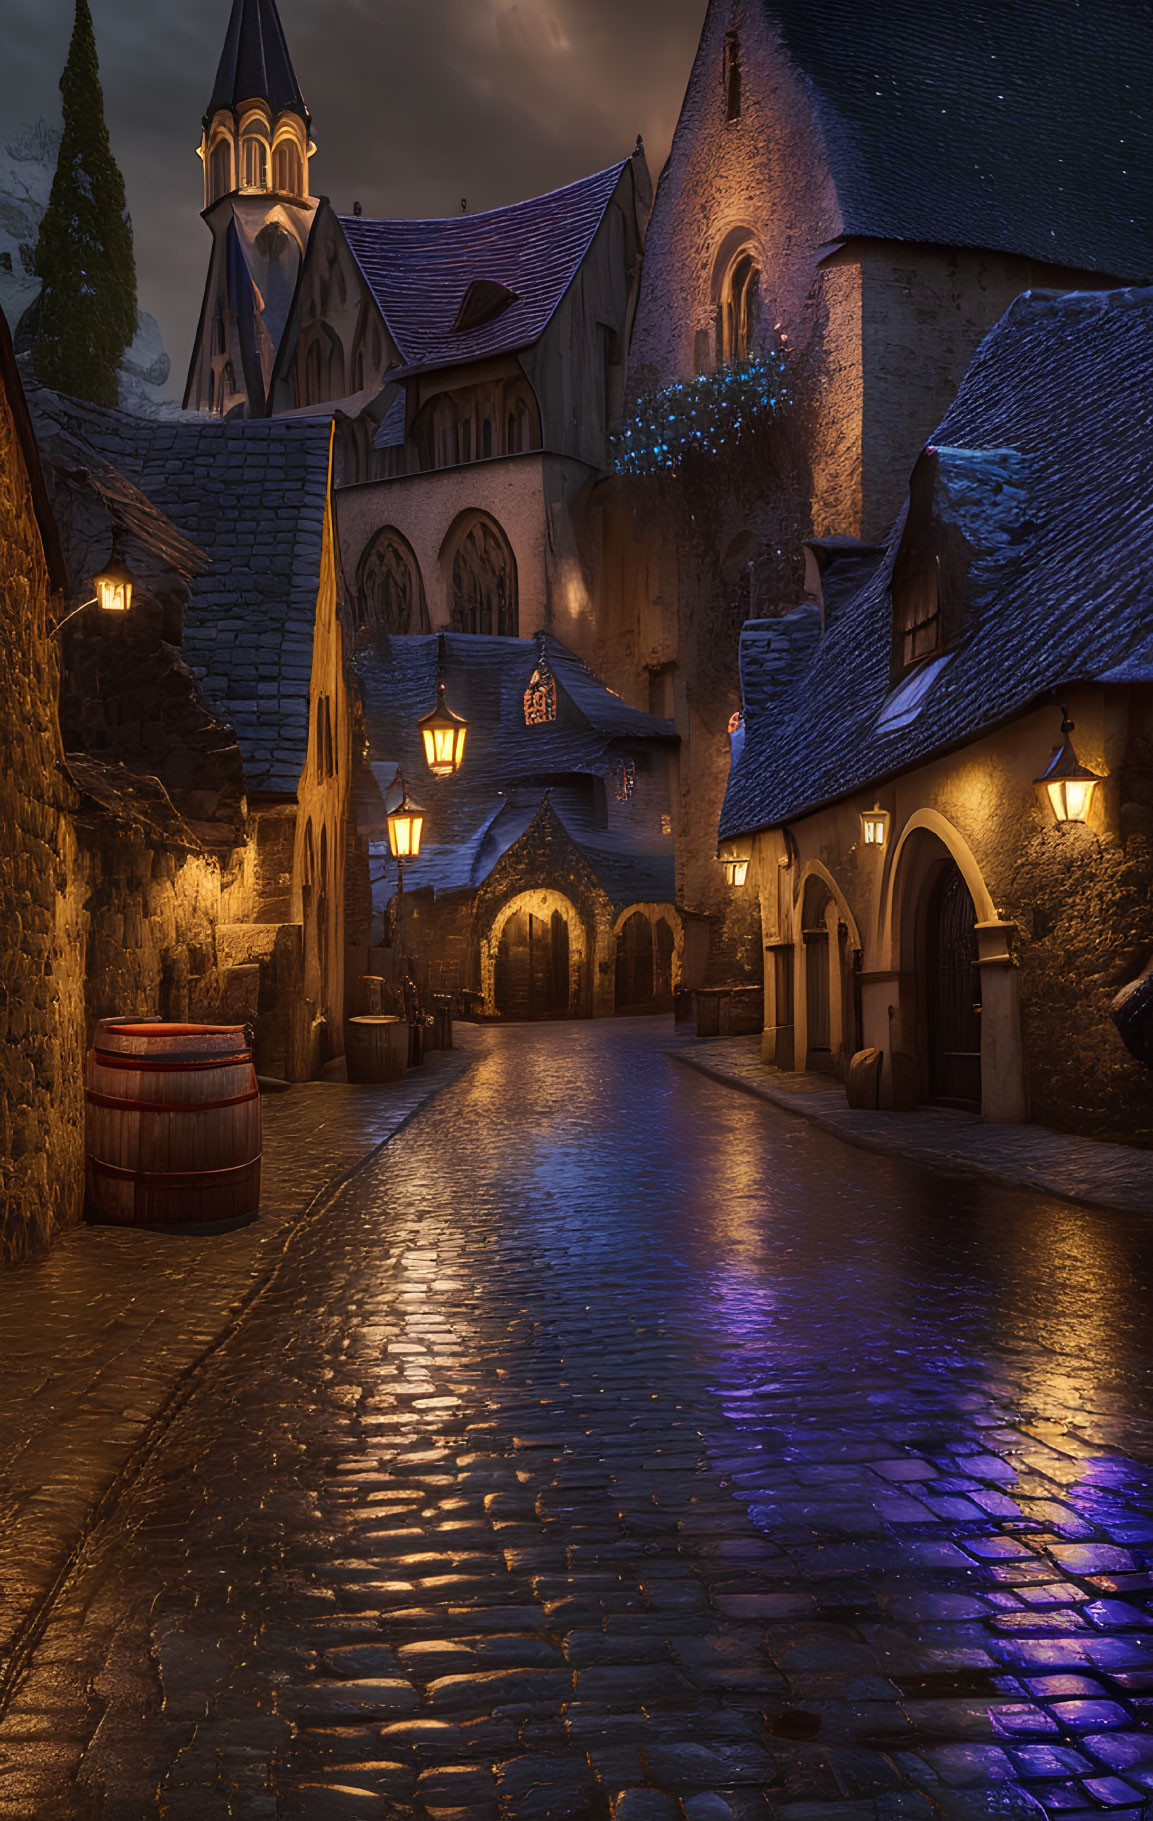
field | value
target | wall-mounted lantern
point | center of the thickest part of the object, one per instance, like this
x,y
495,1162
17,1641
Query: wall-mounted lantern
x,y
405,826
736,865
442,731
113,585
1067,783
874,827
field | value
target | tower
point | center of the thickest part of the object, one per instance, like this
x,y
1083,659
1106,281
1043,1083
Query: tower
x,y
255,150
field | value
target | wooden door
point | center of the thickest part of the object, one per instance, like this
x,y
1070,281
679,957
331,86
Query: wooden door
x,y
953,992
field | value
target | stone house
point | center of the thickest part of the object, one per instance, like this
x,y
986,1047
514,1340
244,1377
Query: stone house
x,y
544,887
917,892
857,190
207,729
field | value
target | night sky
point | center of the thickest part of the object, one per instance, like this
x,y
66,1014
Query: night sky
x,y
415,104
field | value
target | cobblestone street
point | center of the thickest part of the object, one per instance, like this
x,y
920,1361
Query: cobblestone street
x,y
618,1445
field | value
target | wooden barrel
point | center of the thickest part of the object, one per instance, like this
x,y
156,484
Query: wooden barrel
x,y
173,1125
375,1048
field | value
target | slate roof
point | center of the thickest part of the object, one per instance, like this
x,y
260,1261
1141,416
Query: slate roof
x,y
252,494
1046,472
987,123
474,818
255,64
420,271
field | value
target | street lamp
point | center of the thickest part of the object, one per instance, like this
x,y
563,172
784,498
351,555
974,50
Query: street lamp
x,y
442,731
405,826
1068,784
113,584
875,827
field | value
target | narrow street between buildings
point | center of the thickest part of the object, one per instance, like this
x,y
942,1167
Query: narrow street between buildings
x,y
618,1445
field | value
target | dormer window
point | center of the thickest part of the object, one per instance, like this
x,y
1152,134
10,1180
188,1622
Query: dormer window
x,y
732,77
929,573
484,300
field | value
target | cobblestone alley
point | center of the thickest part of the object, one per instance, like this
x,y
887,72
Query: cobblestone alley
x,y
621,1446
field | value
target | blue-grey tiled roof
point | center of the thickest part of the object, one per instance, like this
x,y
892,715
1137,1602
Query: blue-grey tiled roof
x,y
420,271
475,817
1019,125
1047,477
252,495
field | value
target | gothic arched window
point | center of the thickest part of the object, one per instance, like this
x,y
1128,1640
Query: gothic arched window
x,y
219,170
390,594
484,582
739,315
286,166
255,152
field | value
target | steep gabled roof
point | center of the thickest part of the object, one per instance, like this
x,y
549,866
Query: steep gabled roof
x,y
255,64
252,495
422,273
1045,453
1024,126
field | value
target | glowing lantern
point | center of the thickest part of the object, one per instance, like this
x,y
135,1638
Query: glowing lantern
x,y
875,827
405,826
444,735
1068,784
736,866
114,584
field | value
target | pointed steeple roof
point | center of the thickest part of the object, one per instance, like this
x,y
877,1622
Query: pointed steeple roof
x,y
256,64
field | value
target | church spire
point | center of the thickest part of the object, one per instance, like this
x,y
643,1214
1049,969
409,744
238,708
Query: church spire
x,y
256,65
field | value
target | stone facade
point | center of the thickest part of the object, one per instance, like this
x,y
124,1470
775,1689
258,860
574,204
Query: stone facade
x,y
1063,921
41,973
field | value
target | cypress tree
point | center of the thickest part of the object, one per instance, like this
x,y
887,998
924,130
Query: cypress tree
x,y
86,314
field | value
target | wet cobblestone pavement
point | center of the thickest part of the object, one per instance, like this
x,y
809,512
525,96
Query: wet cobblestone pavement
x,y
620,1446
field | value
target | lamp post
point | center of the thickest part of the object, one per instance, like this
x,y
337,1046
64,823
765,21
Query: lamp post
x,y
113,584
1067,783
736,866
874,827
442,731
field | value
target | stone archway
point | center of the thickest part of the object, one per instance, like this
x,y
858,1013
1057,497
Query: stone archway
x,y
534,959
949,952
649,944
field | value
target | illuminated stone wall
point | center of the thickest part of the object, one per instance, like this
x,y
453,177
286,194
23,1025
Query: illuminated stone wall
x,y
1067,914
41,960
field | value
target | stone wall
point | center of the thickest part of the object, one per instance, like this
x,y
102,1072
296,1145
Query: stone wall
x,y
41,973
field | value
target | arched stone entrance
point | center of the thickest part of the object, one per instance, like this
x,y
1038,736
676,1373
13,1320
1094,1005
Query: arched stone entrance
x,y
534,960
649,951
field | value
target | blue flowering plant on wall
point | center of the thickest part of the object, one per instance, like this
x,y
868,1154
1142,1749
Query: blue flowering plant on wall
x,y
705,419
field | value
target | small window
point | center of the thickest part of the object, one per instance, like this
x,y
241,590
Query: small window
x,y
917,610
255,163
512,445
486,437
286,166
220,170
466,440
732,77
929,574
739,314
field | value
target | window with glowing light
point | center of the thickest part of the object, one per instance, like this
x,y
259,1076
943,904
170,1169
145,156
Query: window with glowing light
x,y
219,170
286,169
540,696
624,775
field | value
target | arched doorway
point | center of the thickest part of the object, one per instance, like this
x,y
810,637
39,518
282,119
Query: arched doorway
x,y
531,977
952,990
818,997
635,963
